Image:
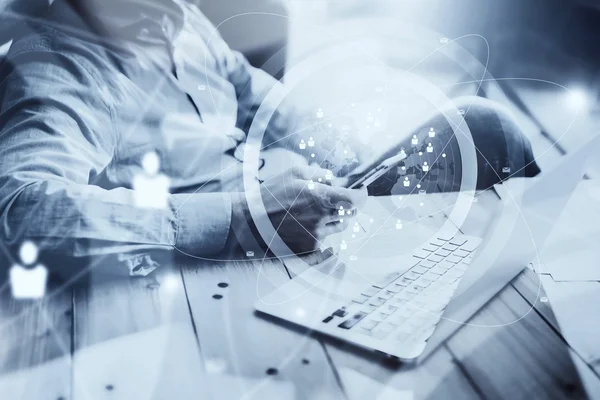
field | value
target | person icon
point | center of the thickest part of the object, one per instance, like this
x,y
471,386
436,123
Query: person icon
x,y
311,185
343,245
406,182
422,192
319,113
425,166
356,227
506,170
302,144
431,132
341,210
26,281
151,189
328,175
399,224
311,142
430,148
402,152
414,141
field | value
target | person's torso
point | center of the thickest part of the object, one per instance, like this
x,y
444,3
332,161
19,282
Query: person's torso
x,y
181,106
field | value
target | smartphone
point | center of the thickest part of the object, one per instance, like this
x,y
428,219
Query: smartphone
x,y
374,174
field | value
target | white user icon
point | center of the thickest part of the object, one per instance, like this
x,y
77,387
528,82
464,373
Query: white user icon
x,y
28,283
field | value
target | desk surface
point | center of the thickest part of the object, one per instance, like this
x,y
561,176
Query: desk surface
x,y
167,336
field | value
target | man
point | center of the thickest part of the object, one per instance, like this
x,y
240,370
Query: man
x,y
100,84
96,87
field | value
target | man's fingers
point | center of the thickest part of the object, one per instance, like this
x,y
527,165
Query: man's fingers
x,y
313,173
335,218
332,228
347,198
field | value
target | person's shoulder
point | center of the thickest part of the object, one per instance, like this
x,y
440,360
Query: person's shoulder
x,y
56,41
48,41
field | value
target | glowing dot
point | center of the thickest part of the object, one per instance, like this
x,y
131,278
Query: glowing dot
x,y
353,105
320,180
421,204
353,236
576,99
444,155
371,220
345,151
418,185
313,155
349,212
400,197
341,219
170,283
300,312
215,366
329,125
420,153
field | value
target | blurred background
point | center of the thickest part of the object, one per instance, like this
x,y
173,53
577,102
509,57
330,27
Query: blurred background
x,y
553,38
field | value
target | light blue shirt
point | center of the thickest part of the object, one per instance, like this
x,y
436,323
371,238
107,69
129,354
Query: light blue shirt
x,y
79,112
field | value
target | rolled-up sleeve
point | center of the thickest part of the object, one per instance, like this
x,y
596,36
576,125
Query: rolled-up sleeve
x,y
57,134
201,222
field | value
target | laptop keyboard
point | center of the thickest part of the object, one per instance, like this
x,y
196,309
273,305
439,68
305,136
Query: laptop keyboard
x,y
407,306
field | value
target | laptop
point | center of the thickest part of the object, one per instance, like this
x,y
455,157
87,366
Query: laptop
x,y
408,306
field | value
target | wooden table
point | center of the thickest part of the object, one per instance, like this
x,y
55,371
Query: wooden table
x,y
190,332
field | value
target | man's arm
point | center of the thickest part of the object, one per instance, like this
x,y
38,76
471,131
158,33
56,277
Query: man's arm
x,y
257,89
56,134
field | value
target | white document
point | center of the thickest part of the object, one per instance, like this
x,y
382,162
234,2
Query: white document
x,y
571,252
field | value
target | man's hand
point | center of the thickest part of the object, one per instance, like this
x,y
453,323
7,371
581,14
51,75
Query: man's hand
x,y
303,216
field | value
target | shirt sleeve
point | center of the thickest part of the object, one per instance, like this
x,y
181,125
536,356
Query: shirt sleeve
x,y
57,134
257,89
252,85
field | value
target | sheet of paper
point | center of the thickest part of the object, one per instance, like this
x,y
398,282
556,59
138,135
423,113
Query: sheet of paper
x,y
572,252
